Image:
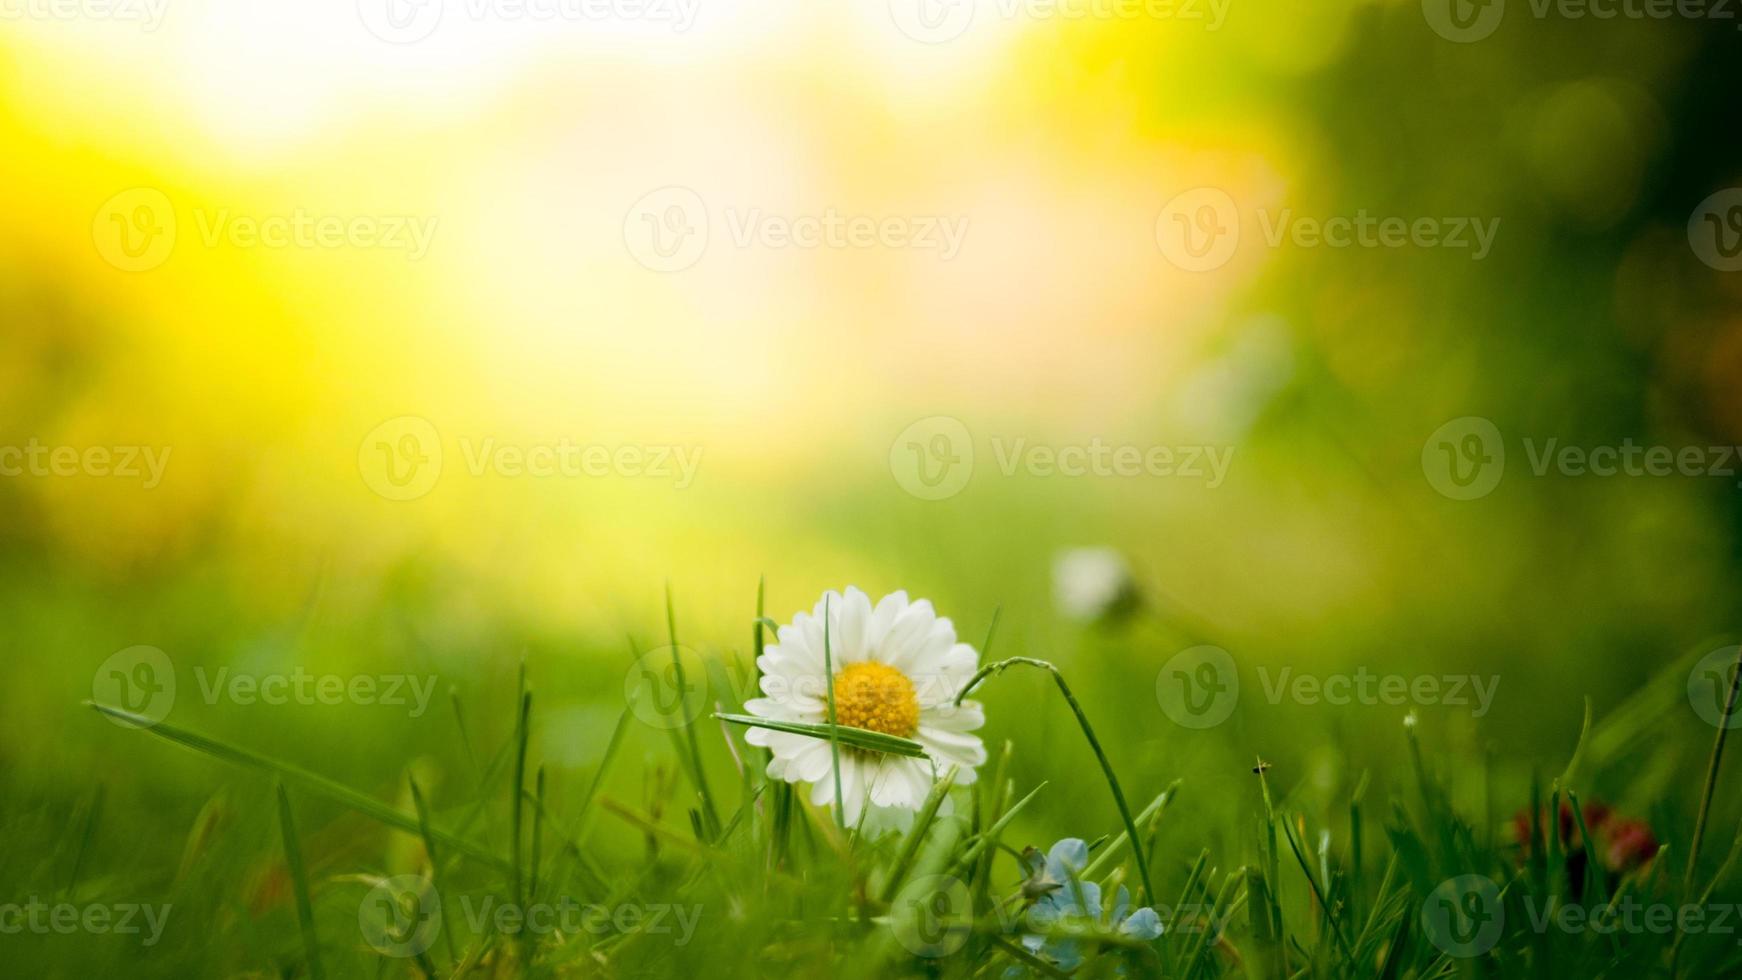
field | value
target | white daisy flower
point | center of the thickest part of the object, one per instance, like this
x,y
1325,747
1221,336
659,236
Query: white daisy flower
x,y
897,670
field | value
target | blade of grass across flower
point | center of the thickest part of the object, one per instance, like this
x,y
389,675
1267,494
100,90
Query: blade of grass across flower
x,y
857,738
320,785
305,913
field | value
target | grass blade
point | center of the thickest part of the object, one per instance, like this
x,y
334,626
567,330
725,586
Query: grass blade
x,y
1706,800
435,875
1094,744
834,729
305,912
710,815
922,821
857,738
514,811
339,793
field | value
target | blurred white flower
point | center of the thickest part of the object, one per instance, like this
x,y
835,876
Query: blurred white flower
x,y
1091,583
897,670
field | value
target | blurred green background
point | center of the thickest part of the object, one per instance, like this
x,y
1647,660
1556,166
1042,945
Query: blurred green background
x,y
1066,317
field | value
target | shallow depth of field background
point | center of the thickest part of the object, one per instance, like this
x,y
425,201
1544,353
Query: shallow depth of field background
x,y
530,320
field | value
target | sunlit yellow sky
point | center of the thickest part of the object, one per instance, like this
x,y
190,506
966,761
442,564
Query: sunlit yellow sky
x,y
522,149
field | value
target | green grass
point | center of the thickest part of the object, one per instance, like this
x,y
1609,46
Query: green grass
x,y
1258,870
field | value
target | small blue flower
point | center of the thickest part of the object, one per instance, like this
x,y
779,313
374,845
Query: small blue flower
x,y
1059,893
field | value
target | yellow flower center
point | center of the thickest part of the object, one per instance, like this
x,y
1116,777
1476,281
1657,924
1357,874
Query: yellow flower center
x,y
878,697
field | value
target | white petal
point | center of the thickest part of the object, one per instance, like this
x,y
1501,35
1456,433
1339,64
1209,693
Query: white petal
x,y
775,708
852,619
888,608
952,748
965,717
918,773
889,785
947,675
823,790
812,764
901,645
